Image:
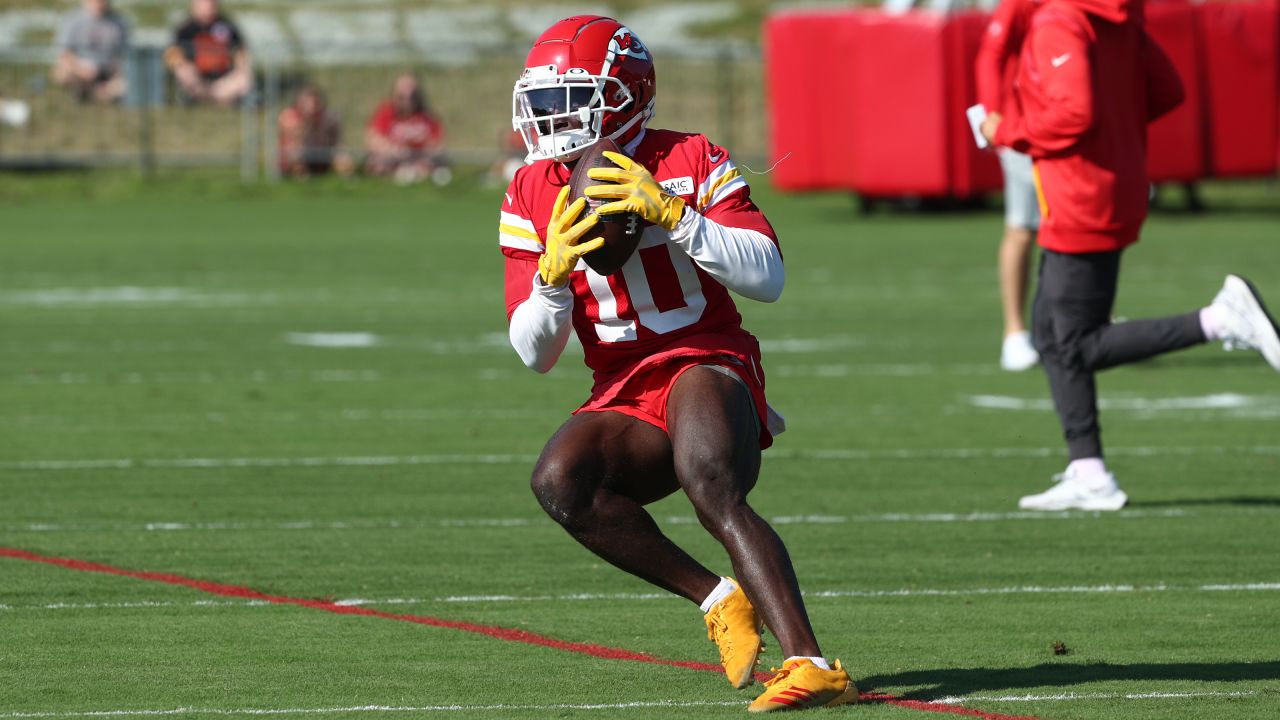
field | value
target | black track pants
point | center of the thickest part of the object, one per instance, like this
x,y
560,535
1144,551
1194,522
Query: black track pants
x,y
1071,328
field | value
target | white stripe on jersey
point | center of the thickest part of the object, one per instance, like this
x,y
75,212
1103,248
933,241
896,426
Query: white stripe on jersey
x,y
722,182
517,221
518,233
517,242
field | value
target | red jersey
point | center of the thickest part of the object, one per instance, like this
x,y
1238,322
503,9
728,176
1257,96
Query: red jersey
x,y
660,300
996,66
416,131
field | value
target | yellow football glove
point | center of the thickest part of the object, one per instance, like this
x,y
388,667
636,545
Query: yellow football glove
x,y
563,234
635,191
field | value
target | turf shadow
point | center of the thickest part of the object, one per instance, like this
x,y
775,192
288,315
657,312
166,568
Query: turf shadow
x,y
960,682
1241,500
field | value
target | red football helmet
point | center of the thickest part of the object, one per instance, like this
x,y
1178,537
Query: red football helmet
x,y
587,77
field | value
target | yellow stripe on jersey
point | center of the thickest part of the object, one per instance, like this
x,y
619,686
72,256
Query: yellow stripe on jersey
x,y
719,183
519,232
1040,199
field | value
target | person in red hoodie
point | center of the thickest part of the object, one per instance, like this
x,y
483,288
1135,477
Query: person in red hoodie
x,y
995,69
1089,81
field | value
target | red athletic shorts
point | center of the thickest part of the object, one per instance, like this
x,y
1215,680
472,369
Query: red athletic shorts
x,y
641,392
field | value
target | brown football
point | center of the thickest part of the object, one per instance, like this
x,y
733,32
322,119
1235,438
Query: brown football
x,y
621,232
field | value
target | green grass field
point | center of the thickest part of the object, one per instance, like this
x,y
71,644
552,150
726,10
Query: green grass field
x,y
166,409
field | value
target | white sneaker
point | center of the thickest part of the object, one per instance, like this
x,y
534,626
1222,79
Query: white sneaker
x,y
1248,324
1073,492
1017,354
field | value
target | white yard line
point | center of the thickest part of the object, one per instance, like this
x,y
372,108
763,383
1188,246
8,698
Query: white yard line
x,y
332,339
903,593
368,709
839,370
649,597
132,296
508,522
1218,405
635,704
1060,697
244,525
1217,401
828,454
1046,590
965,517
369,375
837,454
244,462
203,377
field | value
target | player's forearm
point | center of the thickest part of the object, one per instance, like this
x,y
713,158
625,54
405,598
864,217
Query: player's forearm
x,y
540,326
988,71
987,80
746,261
1060,127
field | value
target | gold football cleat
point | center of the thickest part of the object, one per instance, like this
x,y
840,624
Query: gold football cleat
x,y
800,685
734,626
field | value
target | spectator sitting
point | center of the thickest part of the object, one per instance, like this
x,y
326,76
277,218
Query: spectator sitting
x,y
92,43
310,134
404,138
208,56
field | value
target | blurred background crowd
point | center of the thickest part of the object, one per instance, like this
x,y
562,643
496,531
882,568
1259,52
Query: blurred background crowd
x,y
400,91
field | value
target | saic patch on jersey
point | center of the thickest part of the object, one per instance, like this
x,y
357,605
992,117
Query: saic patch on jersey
x,y
678,186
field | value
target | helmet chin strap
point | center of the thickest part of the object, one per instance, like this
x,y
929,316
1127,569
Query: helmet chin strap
x,y
640,117
555,150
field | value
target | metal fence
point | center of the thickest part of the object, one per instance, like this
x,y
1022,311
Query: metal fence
x,y
718,91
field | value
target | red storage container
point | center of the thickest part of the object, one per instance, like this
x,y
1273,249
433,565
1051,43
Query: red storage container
x,y
899,134
807,76
1239,42
870,102
1175,142
864,101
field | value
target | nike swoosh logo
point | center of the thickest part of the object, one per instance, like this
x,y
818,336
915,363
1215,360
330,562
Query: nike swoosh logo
x,y
715,157
509,200
1061,59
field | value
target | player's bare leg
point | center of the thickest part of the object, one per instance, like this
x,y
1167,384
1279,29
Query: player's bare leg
x,y
715,440
594,477
1014,260
1012,265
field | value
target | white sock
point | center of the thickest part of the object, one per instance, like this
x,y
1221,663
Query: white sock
x,y
821,663
722,591
1088,468
1211,323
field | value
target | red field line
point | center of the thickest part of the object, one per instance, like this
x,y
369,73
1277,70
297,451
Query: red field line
x,y
493,631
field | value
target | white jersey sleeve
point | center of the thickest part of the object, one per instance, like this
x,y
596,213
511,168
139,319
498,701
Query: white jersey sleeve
x,y
727,235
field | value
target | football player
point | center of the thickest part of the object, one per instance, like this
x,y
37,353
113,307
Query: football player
x,y
678,398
